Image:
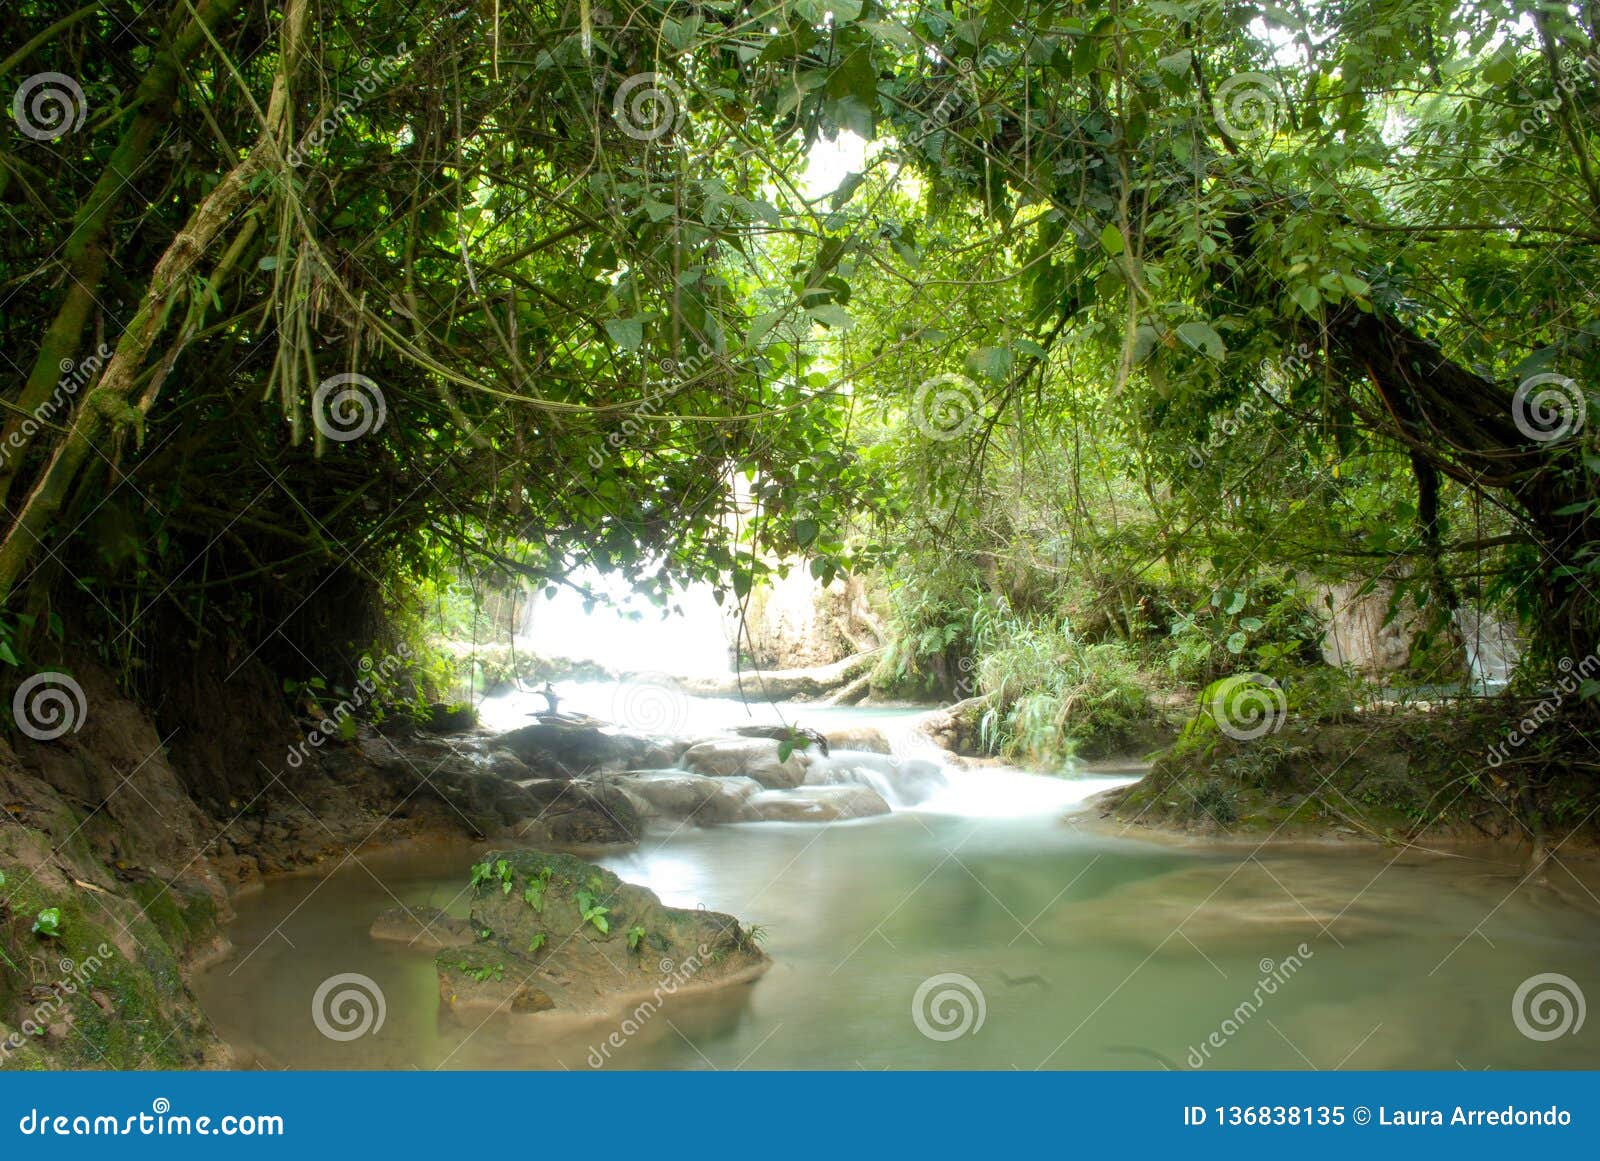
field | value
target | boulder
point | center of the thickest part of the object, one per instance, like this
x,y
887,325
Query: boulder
x,y
426,928
747,758
818,804
556,748
798,736
698,797
568,939
576,813
869,739
489,789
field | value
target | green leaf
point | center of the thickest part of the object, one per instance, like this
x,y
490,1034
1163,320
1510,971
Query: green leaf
x,y
626,333
1202,338
1237,642
1177,64
1307,297
846,190
1111,240
990,362
831,314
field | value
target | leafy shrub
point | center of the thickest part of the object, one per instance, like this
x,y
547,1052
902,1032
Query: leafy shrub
x,y
1049,690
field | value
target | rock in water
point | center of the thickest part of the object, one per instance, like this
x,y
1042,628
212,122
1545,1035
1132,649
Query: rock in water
x,y
747,758
702,799
423,928
569,939
818,804
794,734
557,748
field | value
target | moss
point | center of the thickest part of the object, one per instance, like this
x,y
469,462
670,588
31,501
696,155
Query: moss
x,y
1386,777
78,1001
479,962
186,917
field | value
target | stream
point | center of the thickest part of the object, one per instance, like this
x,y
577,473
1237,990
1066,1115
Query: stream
x,y
997,924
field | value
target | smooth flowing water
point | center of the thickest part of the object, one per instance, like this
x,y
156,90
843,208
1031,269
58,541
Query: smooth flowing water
x,y
991,927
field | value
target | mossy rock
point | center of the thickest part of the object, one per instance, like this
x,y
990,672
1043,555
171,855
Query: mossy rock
x,y
567,937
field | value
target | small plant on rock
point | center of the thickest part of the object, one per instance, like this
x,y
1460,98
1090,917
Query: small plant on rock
x,y
593,912
533,893
48,922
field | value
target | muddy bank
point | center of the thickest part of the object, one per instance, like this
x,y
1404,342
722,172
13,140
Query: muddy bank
x,y
126,837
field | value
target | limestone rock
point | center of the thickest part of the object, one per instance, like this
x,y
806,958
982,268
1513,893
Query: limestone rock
x,y
818,804
424,928
568,939
699,797
748,758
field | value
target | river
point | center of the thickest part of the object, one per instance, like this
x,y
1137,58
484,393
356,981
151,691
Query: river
x,y
999,924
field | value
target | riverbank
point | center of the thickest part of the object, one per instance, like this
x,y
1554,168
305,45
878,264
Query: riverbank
x,y
1403,775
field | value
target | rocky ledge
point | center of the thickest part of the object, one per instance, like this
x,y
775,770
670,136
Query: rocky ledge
x,y
579,784
560,939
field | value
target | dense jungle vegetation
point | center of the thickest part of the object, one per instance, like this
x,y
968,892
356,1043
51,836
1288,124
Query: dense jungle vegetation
x,y
1135,323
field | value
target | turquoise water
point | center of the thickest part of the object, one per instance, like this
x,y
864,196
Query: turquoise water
x,y
1078,946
